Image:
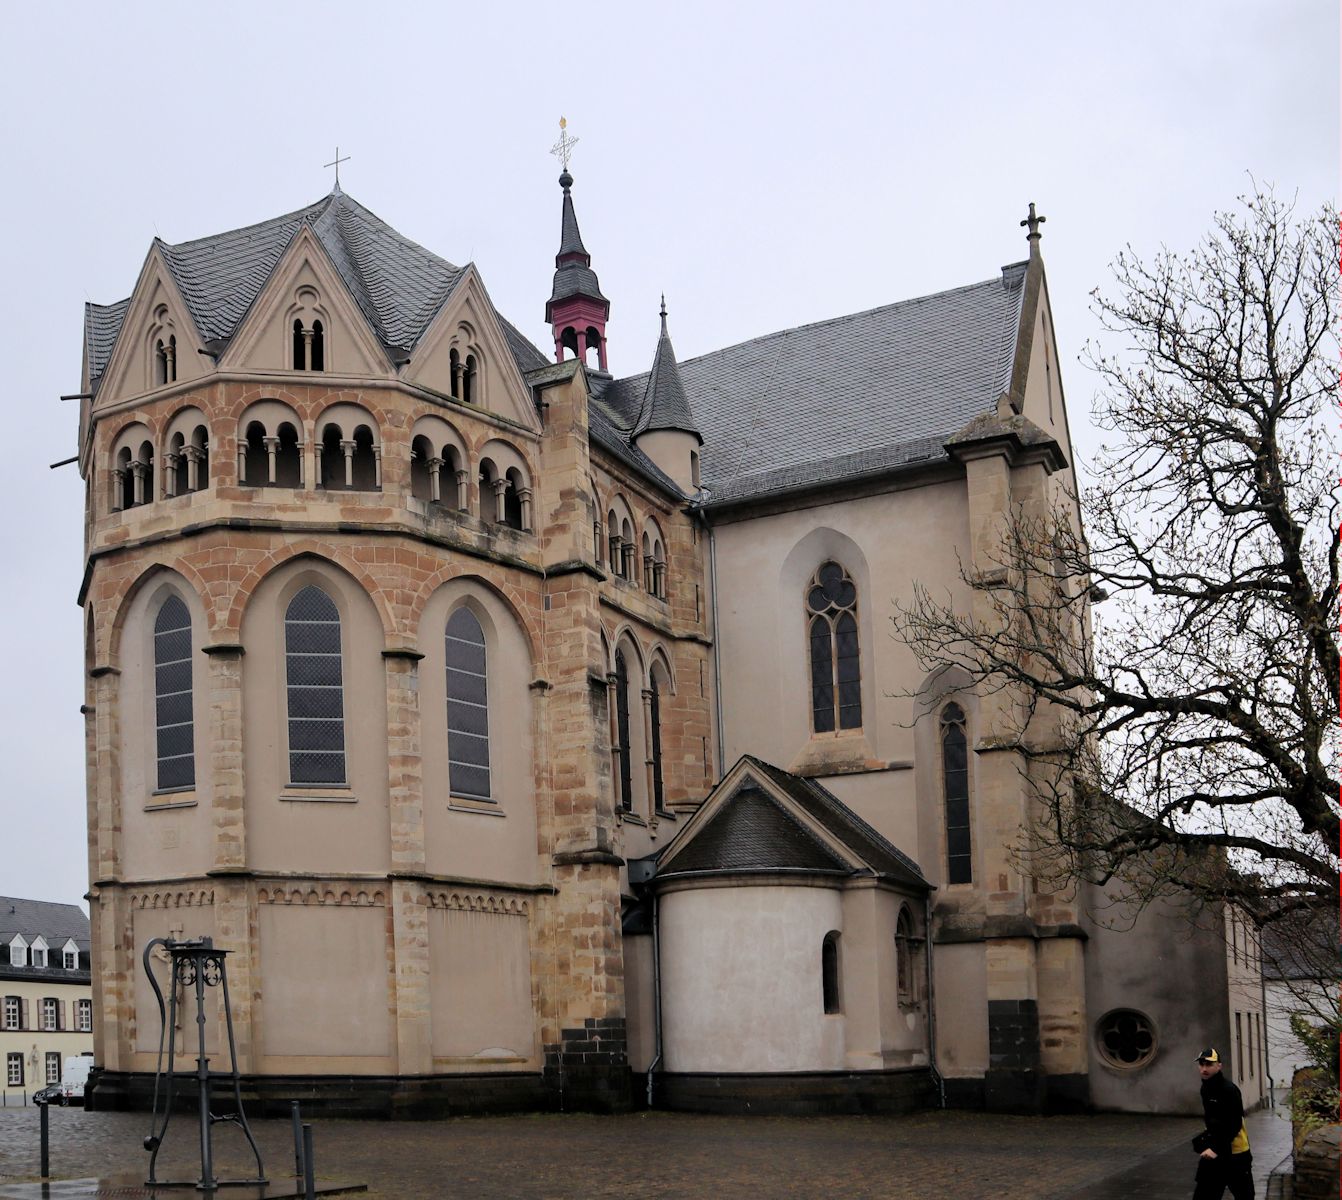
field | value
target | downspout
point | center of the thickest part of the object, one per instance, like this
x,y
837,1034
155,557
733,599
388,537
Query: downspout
x,y
656,997
931,1003
1266,1049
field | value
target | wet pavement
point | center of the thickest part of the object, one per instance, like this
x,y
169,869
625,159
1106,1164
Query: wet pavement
x,y
925,1156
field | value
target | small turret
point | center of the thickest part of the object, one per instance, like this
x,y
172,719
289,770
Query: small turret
x,y
665,429
576,310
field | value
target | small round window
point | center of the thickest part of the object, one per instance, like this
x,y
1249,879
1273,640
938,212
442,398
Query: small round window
x,y
1126,1038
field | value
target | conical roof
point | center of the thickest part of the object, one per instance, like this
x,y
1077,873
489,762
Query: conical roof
x,y
665,404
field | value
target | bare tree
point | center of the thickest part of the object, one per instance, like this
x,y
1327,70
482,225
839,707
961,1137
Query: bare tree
x,y
1190,742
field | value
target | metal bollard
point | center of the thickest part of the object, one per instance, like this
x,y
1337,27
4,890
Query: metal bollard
x,y
46,1155
309,1176
298,1139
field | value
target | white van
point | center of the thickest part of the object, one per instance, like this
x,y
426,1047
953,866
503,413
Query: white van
x,y
73,1078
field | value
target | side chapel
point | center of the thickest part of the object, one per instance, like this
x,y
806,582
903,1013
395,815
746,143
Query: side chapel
x,y
530,734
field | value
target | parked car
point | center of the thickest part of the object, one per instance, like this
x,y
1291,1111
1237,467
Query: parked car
x,y
50,1095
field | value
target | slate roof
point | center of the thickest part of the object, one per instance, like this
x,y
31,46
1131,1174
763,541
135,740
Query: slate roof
x,y
398,284
1302,945
664,404
611,413
573,265
859,394
33,918
752,832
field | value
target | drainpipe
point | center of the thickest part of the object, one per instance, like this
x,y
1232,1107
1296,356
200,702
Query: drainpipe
x,y
931,1001
656,997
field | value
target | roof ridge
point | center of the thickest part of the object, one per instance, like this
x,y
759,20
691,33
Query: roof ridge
x,y
298,214
862,312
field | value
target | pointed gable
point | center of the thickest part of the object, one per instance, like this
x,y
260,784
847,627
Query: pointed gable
x,y
753,832
764,820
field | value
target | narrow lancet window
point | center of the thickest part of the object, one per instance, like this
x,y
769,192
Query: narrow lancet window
x,y
955,782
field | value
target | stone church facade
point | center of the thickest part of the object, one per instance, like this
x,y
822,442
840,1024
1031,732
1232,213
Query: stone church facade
x,y
532,736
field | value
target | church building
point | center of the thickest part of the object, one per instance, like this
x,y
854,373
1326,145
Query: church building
x,y
527,725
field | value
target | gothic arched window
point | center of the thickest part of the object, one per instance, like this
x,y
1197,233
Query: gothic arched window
x,y
173,722
622,731
836,679
314,680
955,784
467,707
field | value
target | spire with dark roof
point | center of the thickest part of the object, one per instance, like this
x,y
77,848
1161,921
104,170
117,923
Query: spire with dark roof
x,y
664,404
576,305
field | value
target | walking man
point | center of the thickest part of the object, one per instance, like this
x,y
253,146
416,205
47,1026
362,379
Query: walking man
x,y
1225,1162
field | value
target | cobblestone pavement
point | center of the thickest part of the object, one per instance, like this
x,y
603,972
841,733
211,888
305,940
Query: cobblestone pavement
x,y
926,1156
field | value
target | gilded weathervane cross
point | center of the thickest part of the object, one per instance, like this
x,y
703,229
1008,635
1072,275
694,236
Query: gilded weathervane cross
x,y
336,163
563,149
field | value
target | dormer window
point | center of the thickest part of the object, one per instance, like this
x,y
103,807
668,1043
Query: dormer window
x,y
70,955
18,951
37,952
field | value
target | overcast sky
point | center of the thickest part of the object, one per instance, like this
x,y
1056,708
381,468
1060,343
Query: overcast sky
x,y
764,164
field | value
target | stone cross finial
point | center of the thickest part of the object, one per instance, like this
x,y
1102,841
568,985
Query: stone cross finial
x,y
1033,222
336,163
563,148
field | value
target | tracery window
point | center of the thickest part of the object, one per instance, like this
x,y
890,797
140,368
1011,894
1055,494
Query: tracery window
x,y
836,680
309,346
467,707
174,726
622,731
955,786
315,689
1126,1038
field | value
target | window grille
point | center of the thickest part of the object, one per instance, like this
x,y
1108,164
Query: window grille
x,y
315,688
467,707
49,1011
173,720
53,1066
11,1012
14,1069
955,783
836,677
84,1015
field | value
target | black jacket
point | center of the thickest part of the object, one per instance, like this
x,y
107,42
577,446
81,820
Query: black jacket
x,y
1223,1110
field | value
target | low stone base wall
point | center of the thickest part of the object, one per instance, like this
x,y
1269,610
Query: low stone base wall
x,y
1316,1165
809,1094
368,1096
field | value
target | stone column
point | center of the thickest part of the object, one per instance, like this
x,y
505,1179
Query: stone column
x,y
272,445
194,455
138,471
500,491
377,465
647,745
347,445
118,488
524,496
435,466
242,461
463,491
170,462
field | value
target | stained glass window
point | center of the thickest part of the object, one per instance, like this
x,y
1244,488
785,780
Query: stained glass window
x,y
467,707
955,783
315,686
173,721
